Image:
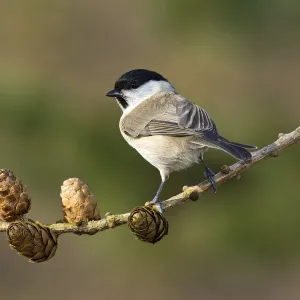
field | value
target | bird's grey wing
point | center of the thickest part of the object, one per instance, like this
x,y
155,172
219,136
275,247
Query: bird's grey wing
x,y
191,116
134,123
182,118
160,127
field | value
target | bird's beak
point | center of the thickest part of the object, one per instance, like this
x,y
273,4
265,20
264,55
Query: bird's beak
x,y
113,93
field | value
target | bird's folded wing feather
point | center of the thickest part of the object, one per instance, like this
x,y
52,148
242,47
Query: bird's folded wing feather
x,y
167,114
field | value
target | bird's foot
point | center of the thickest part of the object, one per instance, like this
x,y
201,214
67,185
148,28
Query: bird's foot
x,y
210,175
158,204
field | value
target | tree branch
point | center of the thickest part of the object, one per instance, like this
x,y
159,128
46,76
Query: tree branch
x,y
189,193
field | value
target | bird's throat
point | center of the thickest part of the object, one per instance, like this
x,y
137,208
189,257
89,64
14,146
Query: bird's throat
x,y
122,102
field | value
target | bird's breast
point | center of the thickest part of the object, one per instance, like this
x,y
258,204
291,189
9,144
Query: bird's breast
x,y
166,153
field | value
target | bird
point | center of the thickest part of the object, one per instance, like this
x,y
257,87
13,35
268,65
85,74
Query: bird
x,y
168,130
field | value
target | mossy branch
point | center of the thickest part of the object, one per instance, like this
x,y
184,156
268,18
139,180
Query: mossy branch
x,y
189,193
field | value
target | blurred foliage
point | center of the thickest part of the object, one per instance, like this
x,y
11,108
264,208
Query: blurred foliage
x,y
230,15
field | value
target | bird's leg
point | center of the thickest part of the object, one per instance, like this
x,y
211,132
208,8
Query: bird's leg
x,y
156,200
210,175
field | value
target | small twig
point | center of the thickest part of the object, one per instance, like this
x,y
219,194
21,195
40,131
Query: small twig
x,y
189,193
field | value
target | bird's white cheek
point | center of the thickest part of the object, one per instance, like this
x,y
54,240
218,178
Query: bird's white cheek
x,y
131,97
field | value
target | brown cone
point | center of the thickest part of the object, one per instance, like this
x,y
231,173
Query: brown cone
x,y
148,224
78,203
14,200
32,240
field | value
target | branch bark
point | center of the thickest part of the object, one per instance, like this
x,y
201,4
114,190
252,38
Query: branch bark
x,y
189,193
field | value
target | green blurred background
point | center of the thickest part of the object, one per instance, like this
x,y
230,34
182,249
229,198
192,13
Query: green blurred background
x,y
240,60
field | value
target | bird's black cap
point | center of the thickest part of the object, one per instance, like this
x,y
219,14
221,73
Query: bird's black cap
x,y
135,78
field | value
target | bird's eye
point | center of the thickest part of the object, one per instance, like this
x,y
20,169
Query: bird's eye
x,y
134,85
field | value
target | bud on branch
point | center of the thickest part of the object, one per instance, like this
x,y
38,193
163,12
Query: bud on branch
x,y
79,204
14,200
148,224
32,240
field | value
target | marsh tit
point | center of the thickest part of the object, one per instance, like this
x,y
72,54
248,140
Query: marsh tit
x,y
168,130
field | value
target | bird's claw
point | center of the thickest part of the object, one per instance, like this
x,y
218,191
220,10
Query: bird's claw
x,y
210,175
158,205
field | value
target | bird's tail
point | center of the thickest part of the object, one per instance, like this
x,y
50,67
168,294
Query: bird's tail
x,y
235,149
237,144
